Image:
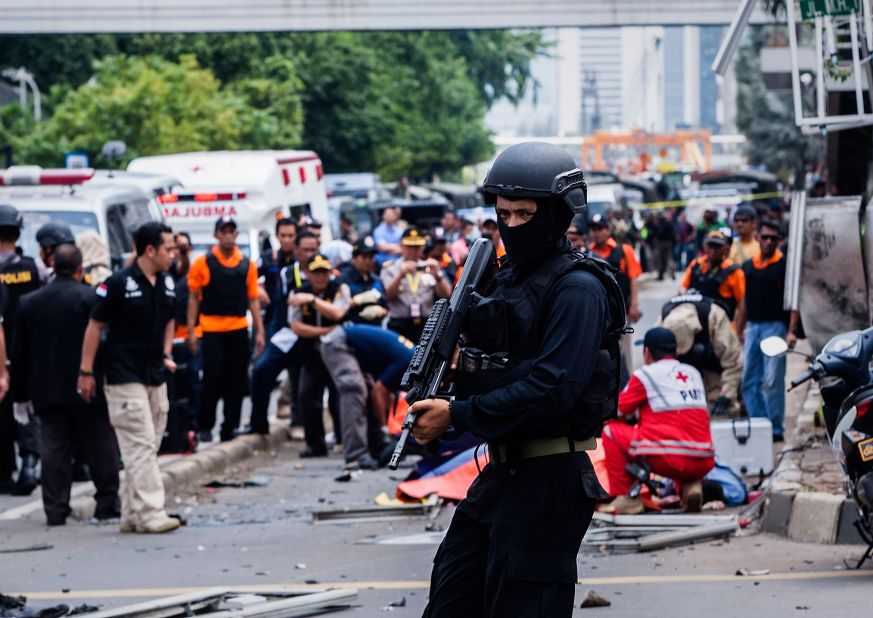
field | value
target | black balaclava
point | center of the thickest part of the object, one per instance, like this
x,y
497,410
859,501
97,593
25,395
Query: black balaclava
x,y
543,235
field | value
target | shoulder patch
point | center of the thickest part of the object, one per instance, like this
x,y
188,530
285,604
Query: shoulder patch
x,y
102,290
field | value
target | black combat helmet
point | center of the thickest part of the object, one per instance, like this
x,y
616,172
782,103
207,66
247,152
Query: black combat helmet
x,y
9,216
539,171
54,233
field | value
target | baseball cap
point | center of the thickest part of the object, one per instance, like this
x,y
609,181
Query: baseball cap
x,y
597,220
318,262
716,237
412,237
363,246
225,221
660,339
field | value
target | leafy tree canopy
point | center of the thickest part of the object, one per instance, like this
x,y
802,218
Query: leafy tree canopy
x,y
398,103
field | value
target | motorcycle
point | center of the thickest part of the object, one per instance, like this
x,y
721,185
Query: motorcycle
x,y
843,372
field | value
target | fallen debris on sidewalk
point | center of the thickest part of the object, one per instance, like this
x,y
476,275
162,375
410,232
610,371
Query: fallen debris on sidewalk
x,y
650,532
215,602
375,513
592,599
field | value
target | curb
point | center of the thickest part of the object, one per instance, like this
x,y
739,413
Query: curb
x,y
191,468
792,511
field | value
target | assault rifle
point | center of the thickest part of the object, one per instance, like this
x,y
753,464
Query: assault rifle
x,y
442,332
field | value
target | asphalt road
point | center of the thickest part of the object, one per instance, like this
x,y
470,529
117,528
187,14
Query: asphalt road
x,y
264,537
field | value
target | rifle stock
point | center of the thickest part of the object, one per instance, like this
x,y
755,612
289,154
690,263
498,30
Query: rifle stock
x,y
441,334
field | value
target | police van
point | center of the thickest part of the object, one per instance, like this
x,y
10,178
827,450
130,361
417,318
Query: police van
x,y
43,195
253,187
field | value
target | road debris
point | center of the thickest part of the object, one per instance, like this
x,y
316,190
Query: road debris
x,y
592,599
35,547
752,572
374,513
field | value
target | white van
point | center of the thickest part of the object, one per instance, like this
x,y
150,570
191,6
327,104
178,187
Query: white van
x,y
43,195
254,187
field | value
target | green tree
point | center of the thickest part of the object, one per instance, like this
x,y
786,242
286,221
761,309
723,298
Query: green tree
x,y
156,106
398,103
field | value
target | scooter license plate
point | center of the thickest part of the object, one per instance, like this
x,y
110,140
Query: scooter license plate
x,y
865,447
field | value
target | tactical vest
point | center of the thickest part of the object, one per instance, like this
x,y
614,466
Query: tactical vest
x,y
701,355
511,321
20,276
226,293
708,285
310,315
624,283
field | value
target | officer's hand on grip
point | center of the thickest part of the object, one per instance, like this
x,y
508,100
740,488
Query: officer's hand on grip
x,y
432,419
169,364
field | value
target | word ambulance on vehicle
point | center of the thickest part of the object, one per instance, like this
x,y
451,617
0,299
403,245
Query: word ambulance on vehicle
x,y
253,187
67,196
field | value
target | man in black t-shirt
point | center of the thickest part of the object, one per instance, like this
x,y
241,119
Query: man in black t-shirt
x,y
762,315
137,305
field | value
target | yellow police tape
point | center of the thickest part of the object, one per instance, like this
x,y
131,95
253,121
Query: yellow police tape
x,y
747,197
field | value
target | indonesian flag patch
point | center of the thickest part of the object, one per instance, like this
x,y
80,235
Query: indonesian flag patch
x,y
102,290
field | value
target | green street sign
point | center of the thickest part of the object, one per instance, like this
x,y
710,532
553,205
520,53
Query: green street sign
x,y
810,9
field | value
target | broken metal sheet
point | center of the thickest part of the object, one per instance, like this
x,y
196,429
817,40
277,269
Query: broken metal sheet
x,y
660,540
833,286
217,602
178,605
284,608
423,538
374,513
661,519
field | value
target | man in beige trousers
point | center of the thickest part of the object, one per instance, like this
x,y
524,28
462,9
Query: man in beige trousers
x,y
137,306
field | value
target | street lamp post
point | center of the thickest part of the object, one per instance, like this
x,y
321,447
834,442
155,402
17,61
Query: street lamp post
x,y
25,80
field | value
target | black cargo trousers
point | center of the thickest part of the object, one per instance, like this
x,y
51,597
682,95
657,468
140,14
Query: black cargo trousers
x,y
512,544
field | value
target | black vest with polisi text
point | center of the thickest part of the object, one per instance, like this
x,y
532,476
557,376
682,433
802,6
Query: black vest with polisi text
x,y
701,355
708,285
510,321
226,293
20,275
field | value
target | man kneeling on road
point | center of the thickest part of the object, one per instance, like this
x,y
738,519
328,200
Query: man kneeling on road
x,y
672,434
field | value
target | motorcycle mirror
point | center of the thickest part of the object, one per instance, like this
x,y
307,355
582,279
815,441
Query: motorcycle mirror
x,y
774,346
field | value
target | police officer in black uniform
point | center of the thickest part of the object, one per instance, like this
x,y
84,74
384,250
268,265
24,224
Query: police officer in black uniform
x,y
20,275
553,319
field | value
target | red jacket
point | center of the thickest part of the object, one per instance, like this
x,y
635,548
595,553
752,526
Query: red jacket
x,y
673,418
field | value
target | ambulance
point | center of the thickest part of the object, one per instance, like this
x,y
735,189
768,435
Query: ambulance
x,y
65,195
254,187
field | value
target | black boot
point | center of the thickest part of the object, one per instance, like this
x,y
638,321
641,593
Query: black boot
x,y
27,479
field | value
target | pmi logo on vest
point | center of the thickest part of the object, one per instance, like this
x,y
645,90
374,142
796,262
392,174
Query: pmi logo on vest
x,y
194,212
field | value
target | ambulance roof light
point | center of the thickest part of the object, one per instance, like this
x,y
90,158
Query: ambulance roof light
x,y
34,175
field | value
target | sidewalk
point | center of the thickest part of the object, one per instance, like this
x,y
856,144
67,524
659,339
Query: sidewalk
x,y
805,499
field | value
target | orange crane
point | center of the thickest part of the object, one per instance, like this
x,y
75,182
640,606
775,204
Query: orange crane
x,y
688,143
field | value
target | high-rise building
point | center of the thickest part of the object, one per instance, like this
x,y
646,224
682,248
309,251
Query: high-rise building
x,y
601,95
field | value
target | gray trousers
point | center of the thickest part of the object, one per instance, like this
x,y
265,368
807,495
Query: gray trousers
x,y
345,372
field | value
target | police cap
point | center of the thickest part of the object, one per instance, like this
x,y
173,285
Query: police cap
x,y
536,170
9,216
412,237
318,262
54,233
364,246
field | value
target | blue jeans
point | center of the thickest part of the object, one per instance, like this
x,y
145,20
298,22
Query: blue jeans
x,y
266,369
763,377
